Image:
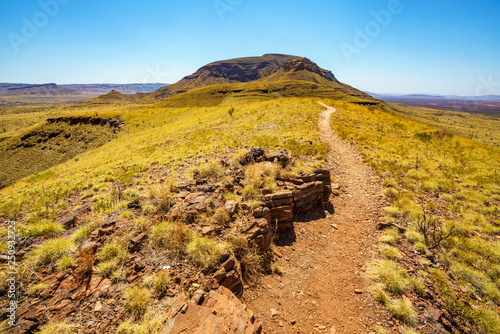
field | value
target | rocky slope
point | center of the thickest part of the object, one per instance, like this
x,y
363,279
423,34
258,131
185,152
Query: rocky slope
x,y
226,71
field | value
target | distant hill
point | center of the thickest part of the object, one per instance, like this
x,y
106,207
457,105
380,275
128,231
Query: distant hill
x,y
99,89
6,85
50,89
86,89
482,104
114,97
226,71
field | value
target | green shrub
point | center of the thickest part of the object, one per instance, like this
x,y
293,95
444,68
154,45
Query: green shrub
x,y
137,301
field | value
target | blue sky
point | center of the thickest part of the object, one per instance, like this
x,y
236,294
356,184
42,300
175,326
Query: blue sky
x,y
392,46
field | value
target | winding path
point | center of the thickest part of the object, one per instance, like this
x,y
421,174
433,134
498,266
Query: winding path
x,y
324,289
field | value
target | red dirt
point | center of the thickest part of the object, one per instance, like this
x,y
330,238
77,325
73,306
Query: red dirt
x,y
324,288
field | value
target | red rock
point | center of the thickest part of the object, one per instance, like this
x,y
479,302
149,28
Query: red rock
x,y
221,313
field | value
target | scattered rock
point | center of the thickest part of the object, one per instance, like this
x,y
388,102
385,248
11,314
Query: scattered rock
x,y
231,207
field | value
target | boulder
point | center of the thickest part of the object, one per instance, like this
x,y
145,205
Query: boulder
x,y
220,313
231,207
255,154
278,157
261,233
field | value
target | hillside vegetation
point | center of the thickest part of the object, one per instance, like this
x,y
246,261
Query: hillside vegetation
x,y
162,139
455,182
483,127
46,146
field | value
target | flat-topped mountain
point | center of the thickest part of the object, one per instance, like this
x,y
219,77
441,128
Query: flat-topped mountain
x,y
226,71
256,78
50,89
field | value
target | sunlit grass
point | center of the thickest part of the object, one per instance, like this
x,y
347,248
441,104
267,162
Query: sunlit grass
x,y
453,178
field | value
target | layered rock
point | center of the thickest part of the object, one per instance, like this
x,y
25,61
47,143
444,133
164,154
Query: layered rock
x,y
310,191
216,312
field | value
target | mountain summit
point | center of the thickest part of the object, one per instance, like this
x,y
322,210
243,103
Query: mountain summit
x,y
226,71
302,69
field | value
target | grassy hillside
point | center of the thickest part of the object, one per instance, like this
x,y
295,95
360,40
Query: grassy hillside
x,y
455,180
162,139
46,146
482,127
229,94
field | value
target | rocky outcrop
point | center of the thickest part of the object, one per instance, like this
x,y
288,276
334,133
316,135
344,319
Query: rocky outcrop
x,y
301,196
216,312
228,273
116,124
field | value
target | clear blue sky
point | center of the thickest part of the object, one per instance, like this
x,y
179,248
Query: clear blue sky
x,y
425,46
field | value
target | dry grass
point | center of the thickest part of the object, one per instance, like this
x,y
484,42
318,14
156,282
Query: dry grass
x,y
36,289
57,328
111,257
160,282
137,301
49,252
251,259
204,251
172,236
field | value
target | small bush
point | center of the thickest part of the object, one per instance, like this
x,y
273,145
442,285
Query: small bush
x,y
414,236
212,170
158,281
408,330
89,223
391,236
65,262
391,194
420,247
251,259
204,251
111,256
36,289
173,236
221,217
127,214
49,229
108,268
137,301
390,275
161,194
151,323
57,328
404,311
113,250
250,192
142,224
416,285
392,253
50,251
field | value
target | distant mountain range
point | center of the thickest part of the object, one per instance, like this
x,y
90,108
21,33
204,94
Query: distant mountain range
x,y
483,103
52,89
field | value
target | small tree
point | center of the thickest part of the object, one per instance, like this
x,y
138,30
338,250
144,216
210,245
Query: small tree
x,y
231,111
432,230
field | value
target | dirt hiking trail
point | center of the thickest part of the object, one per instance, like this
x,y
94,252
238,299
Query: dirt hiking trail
x,y
323,288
